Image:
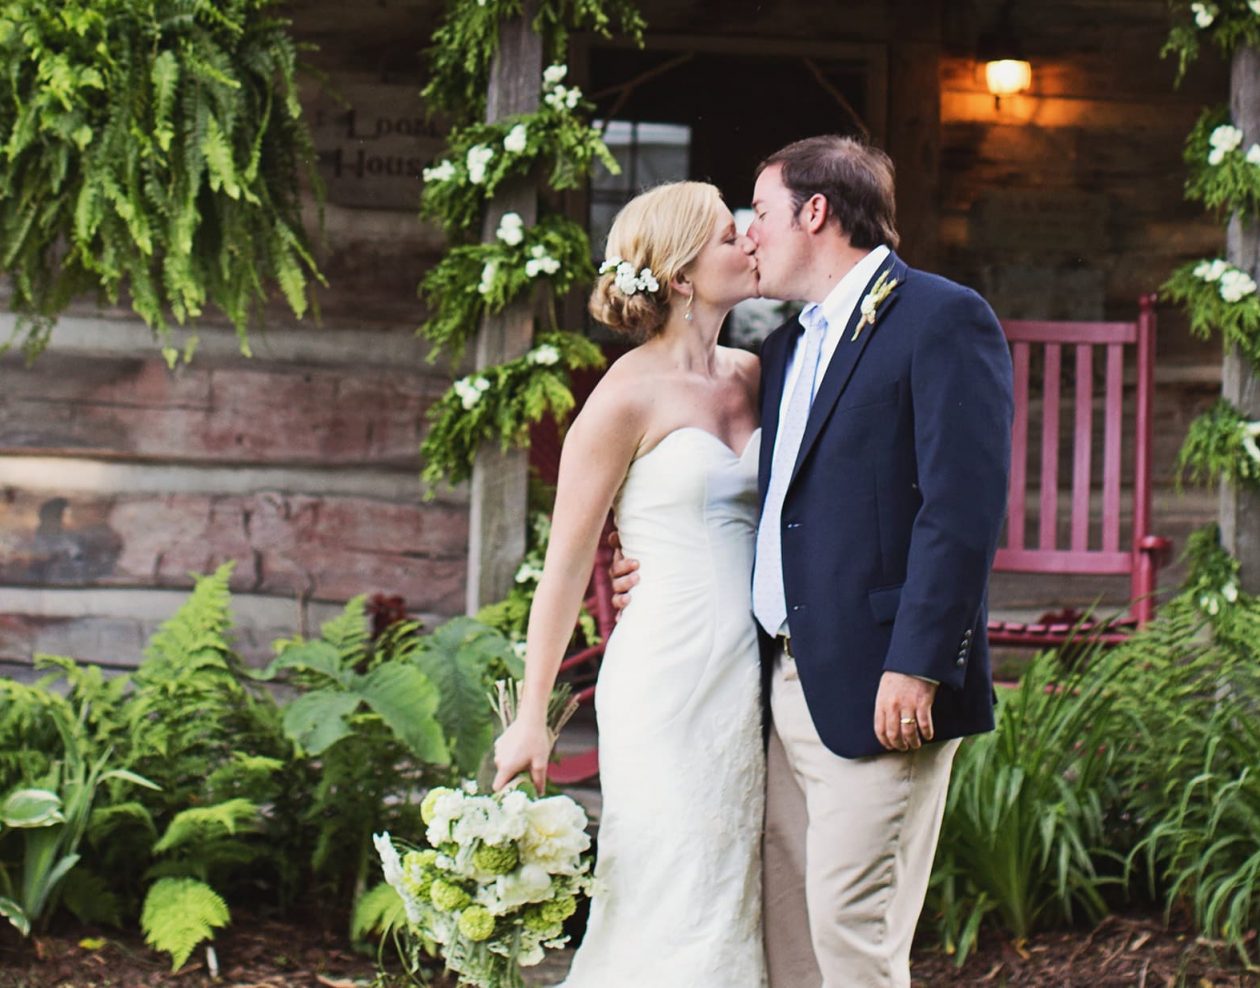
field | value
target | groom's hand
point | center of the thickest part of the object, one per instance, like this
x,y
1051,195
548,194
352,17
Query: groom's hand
x,y
623,574
903,711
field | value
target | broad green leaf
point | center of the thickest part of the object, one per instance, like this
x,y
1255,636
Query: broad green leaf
x,y
27,808
407,701
313,656
464,710
11,911
316,721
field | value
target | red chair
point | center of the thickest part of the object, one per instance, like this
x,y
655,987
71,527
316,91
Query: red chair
x,y
581,667
1141,553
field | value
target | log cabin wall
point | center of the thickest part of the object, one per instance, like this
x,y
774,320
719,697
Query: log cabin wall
x,y
118,478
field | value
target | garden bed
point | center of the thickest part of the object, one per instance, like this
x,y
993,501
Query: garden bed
x,y
1133,951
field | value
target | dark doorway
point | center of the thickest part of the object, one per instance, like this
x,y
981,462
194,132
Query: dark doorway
x,y
739,107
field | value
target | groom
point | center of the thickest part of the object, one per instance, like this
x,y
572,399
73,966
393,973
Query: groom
x,y
885,411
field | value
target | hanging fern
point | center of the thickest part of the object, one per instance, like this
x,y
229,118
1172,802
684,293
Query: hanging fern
x,y
180,913
152,147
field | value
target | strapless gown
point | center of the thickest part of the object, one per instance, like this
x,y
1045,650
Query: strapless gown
x,y
677,902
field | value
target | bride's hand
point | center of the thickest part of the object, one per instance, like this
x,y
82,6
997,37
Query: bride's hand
x,y
523,747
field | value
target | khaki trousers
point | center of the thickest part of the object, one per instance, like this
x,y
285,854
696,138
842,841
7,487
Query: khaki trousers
x,y
848,851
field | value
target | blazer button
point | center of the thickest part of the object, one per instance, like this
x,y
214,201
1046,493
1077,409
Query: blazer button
x,y
797,607
962,661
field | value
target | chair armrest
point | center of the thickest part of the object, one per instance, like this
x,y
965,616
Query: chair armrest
x,y
1158,547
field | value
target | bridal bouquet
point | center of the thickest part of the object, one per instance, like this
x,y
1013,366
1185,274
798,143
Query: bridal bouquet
x,y
502,873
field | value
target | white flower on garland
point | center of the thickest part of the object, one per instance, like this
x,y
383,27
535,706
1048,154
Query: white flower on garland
x,y
479,156
443,171
1210,270
470,390
1230,590
540,262
488,275
1253,152
553,75
544,355
1204,14
511,229
528,573
1251,431
563,97
516,140
1236,285
1255,6
1223,139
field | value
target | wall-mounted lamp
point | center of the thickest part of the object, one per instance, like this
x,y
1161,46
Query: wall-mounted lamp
x,y
1006,71
1006,77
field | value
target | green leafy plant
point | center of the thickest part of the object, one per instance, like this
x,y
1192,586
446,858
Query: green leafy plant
x,y
465,43
1223,178
1238,321
499,403
1027,808
1221,444
1227,23
151,146
51,815
180,913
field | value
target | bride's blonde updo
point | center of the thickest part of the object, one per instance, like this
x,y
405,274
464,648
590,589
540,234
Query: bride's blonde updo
x,y
663,229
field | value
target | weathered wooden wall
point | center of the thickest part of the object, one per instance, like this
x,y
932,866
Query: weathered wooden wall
x,y
118,477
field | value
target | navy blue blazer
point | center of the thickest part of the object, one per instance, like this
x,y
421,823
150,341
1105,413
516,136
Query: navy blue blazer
x,y
895,506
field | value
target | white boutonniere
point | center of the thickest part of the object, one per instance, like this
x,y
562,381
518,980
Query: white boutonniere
x,y
872,301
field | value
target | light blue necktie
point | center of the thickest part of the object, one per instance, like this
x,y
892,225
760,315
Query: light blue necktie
x,y
769,604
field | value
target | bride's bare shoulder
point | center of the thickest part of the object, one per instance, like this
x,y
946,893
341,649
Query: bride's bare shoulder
x,y
622,397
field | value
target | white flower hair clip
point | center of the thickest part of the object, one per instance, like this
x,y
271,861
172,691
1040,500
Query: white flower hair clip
x,y
627,280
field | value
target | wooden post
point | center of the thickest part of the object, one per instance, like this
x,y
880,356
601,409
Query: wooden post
x,y
1240,382
496,542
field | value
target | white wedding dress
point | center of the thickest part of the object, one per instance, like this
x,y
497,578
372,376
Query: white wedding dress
x,y
677,902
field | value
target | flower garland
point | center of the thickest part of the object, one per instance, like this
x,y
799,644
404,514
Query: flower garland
x,y
500,402
1222,443
1224,174
1228,24
480,156
473,279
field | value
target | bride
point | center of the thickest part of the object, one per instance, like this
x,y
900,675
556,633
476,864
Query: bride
x,y
669,441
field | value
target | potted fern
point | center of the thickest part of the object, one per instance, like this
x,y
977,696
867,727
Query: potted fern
x,y
151,148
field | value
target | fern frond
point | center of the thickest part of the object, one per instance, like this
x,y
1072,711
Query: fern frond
x,y
205,823
380,910
180,913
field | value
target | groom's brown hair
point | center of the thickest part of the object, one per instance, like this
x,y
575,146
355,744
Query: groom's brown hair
x,y
856,179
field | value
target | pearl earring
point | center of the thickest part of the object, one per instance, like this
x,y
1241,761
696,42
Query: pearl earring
x,y
687,314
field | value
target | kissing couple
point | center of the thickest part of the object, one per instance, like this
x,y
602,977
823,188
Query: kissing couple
x,y
808,537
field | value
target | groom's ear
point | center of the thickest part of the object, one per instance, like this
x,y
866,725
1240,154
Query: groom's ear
x,y
815,212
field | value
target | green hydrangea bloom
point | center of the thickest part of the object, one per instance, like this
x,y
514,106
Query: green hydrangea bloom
x,y
448,897
426,807
537,922
449,848
419,872
496,860
558,910
476,923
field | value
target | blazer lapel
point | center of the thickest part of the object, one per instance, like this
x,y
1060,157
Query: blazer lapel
x,y
774,356
845,359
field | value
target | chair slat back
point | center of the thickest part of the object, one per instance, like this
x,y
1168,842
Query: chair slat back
x,y
1097,481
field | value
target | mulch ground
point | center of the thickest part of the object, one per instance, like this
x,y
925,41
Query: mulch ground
x,y
1129,951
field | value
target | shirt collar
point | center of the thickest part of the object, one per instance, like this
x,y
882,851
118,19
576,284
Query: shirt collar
x,y
840,302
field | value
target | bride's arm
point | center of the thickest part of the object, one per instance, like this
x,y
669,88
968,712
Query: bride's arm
x,y
593,462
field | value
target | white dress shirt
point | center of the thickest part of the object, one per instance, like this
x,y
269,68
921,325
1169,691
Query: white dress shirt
x,y
837,308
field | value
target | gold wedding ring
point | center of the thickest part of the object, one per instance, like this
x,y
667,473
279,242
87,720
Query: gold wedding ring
x,y
908,720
